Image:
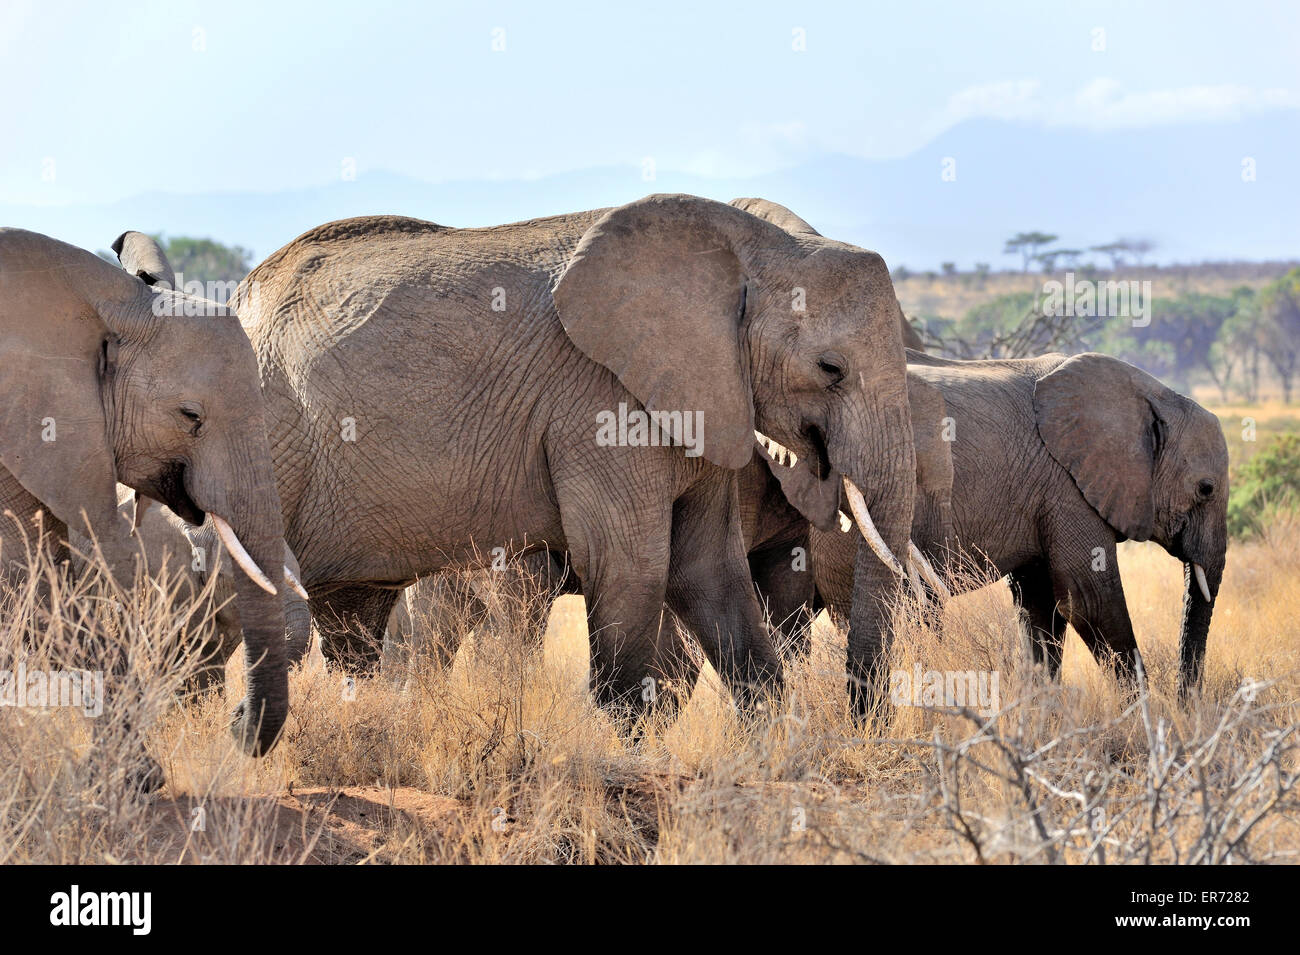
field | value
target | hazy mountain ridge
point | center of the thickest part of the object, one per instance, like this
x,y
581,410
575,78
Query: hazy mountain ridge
x,y
1178,185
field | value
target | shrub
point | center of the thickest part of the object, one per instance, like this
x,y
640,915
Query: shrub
x,y
1268,482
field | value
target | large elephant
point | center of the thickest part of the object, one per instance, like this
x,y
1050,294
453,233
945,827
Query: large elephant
x,y
435,393
106,378
1055,460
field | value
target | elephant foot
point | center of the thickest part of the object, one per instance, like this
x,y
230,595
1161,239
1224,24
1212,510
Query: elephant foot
x,y
252,739
146,776
867,702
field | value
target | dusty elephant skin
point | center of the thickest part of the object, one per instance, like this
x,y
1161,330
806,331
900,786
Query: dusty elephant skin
x,y
106,379
1057,459
434,393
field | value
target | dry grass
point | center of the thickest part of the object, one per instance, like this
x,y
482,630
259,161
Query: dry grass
x,y
504,759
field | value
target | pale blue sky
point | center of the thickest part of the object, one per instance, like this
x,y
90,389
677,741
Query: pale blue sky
x,y
192,97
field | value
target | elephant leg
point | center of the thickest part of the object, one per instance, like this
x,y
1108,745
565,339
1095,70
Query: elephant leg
x,y
621,558
785,585
711,592
24,523
351,624
1043,623
531,585
213,656
431,618
1090,595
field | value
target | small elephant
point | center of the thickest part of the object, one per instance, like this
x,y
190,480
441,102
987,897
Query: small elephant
x,y
433,614
105,377
1055,460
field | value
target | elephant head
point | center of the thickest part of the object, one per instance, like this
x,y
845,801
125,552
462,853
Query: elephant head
x,y
108,379
1154,465
702,307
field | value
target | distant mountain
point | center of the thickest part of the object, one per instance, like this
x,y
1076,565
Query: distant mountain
x,y
1178,185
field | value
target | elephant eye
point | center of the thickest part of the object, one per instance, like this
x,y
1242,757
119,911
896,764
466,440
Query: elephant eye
x,y
832,369
194,418
1205,489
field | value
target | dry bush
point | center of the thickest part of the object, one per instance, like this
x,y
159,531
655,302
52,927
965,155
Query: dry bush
x,y
503,758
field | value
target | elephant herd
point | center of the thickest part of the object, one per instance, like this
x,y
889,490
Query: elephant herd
x,y
396,398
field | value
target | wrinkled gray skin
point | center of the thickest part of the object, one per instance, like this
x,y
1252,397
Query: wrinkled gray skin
x,y
141,393
192,555
471,365
1055,460
433,614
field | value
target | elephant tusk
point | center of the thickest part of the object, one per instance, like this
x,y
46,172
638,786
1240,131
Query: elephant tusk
x,y
241,556
294,584
858,506
914,578
1201,582
927,571
846,525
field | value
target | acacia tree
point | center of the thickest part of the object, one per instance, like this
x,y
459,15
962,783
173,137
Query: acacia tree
x,y
1279,308
1027,246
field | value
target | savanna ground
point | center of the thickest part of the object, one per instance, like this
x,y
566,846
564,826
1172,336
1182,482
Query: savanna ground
x,y
504,758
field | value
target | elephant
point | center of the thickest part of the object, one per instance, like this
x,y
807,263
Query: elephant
x,y
435,393
107,378
193,556
1056,459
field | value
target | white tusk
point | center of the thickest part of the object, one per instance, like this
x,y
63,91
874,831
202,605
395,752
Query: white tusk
x,y
1201,582
846,525
858,506
793,459
936,583
914,578
240,556
294,583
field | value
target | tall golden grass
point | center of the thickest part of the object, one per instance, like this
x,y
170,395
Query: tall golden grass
x,y
503,758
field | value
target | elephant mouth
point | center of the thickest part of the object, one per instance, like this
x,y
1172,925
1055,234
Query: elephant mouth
x,y
818,463
821,456
169,488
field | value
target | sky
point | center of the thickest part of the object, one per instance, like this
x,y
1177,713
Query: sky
x,y
108,101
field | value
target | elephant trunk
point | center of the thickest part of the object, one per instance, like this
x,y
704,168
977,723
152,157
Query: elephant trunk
x,y
1203,548
886,476
249,506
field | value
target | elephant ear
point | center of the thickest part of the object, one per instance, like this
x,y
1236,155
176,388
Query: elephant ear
x,y
1098,418
655,292
776,214
55,378
144,258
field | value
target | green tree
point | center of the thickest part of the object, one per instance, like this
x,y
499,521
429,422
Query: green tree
x,y
1267,483
218,268
1279,308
